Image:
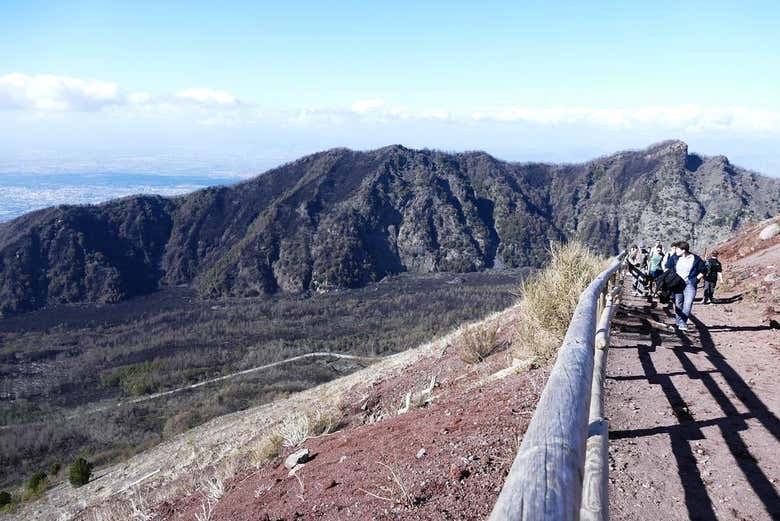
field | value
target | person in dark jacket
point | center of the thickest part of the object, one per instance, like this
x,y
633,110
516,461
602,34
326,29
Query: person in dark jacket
x,y
665,289
711,277
691,268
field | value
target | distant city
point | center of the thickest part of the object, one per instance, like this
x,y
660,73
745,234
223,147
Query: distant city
x,y
25,192
33,183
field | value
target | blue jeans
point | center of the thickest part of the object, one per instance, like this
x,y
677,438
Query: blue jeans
x,y
683,303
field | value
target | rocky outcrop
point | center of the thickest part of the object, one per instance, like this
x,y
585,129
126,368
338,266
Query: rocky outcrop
x,y
342,218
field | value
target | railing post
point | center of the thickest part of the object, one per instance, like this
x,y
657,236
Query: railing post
x,y
595,501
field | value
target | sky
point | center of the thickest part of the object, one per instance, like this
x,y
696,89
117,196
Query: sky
x,y
234,88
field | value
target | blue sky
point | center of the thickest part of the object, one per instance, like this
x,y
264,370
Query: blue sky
x,y
245,85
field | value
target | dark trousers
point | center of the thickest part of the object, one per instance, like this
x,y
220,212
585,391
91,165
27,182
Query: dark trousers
x,y
640,279
709,290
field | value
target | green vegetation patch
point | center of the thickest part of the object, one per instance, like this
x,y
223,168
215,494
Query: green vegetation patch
x,y
135,379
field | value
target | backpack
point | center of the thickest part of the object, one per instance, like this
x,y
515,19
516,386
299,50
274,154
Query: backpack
x,y
667,283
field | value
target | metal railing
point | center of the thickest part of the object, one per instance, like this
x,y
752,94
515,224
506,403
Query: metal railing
x,y
560,471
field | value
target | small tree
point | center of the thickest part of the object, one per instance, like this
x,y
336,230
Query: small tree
x,y
80,472
37,482
54,469
5,498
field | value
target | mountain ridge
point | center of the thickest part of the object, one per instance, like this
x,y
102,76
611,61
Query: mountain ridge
x,y
343,218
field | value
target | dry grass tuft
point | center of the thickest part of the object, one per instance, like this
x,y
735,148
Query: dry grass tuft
x,y
478,342
214,488
133,508
395,491
298,427
549,299
206,510
267,449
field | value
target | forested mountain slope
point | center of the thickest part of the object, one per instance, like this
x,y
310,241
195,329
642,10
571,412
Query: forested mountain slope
x,y
342,218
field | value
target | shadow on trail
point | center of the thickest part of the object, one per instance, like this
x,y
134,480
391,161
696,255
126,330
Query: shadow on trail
x,y
723,328
652,334
727,300
745,460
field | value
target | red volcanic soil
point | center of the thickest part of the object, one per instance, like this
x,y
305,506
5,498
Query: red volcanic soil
x,y
752,269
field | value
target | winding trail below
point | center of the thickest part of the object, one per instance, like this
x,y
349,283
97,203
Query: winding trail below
x,y
694,429
141,399
245,372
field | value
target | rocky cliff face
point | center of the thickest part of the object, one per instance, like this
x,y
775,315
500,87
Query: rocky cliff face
x,y
342,218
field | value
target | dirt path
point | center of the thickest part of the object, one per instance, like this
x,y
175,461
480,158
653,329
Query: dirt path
x,y
694,429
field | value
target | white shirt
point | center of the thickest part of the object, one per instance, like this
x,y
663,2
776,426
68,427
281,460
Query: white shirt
x,y
685,265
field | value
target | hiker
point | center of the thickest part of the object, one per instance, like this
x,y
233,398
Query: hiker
x,y
669,301
644,265
691,268
636,269
668,254
655,265
711,277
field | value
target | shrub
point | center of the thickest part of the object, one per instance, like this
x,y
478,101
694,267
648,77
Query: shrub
x,y
80,472
135,379
298,427
37,483
549,299
478,342
54,469
268,449
5,498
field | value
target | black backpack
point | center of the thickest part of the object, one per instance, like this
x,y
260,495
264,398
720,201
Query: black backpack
x,y
667,283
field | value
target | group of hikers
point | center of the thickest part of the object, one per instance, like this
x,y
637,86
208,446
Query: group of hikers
x,y
673,276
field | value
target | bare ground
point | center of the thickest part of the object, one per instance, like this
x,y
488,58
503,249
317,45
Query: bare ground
x,y
694,429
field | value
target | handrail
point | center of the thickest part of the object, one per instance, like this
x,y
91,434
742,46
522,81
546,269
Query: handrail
x,y
547,475
595,505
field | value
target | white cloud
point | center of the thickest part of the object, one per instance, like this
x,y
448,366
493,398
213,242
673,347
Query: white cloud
x,y
139,98
49,93
364,111
56,93
42,95
207,96
691,118
381,111
366,105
